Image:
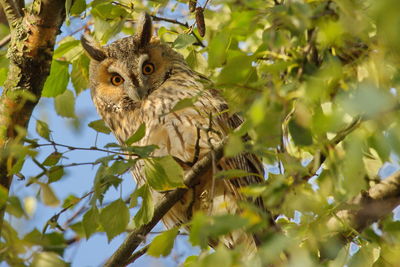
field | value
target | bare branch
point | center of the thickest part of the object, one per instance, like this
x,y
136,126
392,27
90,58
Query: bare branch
x,y
122,255
138,254
368,207
363,210
5,40
186,25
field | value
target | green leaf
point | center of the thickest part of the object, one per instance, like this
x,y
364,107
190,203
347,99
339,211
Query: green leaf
x,y
224,224
17,166
3,195
301,136
65,104
183,40
47,259
14,207
78,7
57,81
99,126
184,103
204,227
55,173
146,211
78,229
163,173
138,135
48,196
80,73
366,256
68,4
3,75
233,74
234,146
105,29
91,221
52,159
68,50
70,200
43,129
198,234
114,218
141,151
218,49
120,167
162,244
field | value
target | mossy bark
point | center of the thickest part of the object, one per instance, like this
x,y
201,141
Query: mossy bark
x,y
33,36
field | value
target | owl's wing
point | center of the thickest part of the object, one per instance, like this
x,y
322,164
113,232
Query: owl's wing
x,y
244,161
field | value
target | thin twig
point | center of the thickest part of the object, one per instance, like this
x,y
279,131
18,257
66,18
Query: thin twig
x,y
5,41
138,254
206,3
93,148
186,25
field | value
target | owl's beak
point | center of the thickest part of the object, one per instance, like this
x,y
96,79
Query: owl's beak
x,y
142,92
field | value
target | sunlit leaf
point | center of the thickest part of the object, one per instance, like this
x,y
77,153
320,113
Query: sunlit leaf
x,y
146,211
137,136
80,73
163,173
48,196
114,218
99,126
65,104
78,7
183,40
184,103
162,244
52,159
234,146
47,259
14,207
91,221
58,79
55,173
69,49
42,128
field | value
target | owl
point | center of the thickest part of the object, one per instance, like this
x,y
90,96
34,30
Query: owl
x,y
139,79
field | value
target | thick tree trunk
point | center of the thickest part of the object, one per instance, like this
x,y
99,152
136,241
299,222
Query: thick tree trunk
x,y
30,52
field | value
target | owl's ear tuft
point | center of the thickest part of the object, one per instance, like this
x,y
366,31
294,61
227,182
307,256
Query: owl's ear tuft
x,y
144,30
93,48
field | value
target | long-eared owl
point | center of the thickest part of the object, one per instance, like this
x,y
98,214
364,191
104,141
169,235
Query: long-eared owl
x,y
139,79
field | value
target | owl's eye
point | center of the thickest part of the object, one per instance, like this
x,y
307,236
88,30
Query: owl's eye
x,y
148,68
117,80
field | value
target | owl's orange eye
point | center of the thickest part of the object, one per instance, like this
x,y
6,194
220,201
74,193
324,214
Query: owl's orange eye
x,y
147,68
117,80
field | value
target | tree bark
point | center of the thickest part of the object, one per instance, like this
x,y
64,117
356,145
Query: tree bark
x,y
30,52
359,213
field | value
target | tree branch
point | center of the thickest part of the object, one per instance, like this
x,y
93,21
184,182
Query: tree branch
x,y
122,256
12,12
359,213
30,53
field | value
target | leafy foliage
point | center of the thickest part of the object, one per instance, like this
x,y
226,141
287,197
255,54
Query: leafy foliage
x,y
317,85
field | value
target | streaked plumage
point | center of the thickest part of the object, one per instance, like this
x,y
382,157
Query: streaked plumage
x,y
183,134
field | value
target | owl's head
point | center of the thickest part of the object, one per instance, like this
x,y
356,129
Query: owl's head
x,y
132,67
